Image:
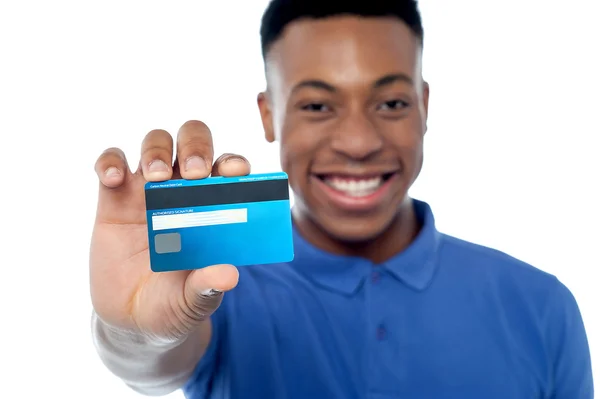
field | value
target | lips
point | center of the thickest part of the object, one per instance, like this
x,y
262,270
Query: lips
x,y
355,186
354,192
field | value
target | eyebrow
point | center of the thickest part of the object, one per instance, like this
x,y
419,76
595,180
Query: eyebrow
x,y
393,78
379,83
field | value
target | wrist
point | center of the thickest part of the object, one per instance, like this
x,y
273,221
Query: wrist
x,y
123,339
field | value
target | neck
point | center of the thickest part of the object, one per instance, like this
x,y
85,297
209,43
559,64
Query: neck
x,y
391,241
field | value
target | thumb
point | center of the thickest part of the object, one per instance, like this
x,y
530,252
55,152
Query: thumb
x,y
204,290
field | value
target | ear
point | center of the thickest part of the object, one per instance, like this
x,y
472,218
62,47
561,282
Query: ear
x,y
425,102
266,115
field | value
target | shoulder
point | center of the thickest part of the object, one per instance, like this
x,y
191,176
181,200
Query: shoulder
x,y
503,278
511,286
465,256
533,307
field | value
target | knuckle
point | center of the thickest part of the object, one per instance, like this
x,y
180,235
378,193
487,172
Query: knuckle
x,y
155,151
194,142
198,307
158,144
110,156
194,133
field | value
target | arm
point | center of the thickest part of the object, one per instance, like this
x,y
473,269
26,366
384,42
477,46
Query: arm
x,y
150,368
568,348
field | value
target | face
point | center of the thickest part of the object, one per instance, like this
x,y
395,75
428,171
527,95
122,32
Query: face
x,y
348,106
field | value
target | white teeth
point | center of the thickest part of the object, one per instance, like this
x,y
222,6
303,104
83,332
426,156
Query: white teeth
x,y
355,188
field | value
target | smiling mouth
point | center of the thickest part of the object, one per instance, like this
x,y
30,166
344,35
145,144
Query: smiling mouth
x,y
356,186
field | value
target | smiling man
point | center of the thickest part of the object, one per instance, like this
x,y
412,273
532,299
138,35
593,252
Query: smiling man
x,y
377,303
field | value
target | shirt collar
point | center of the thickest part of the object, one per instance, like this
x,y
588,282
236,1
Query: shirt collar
x,y
415,266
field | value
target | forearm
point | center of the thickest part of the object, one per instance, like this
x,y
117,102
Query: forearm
x,y
149,368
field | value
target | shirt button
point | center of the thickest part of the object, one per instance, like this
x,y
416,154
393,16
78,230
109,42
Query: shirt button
x,y
381,333
375,277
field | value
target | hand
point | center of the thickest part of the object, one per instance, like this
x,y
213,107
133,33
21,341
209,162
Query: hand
x,y
126,294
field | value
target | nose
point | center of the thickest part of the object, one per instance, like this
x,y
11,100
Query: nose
x,y
356,137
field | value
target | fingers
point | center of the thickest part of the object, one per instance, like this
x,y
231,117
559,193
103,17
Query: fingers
x,y
194,150
231,165
195,155
120,199
111,168
157,156
204,289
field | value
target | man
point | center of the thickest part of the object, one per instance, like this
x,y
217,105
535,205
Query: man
x,y
377,303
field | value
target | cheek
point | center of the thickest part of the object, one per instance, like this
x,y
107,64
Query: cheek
x,y
295,154
294,162
404,141
411,138
299,146
412,148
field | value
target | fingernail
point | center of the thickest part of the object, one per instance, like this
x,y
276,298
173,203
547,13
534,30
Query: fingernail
x,y
210,292
234,159
157,166
112,172
195,164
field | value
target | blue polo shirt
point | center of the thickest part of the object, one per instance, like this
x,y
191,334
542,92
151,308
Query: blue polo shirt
x,y
444,319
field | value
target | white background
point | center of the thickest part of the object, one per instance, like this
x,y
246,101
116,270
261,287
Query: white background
x,y
511,153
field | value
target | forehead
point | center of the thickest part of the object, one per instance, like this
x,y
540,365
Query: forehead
x,y
344,50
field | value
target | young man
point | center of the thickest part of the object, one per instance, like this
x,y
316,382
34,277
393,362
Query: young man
x,y
377,303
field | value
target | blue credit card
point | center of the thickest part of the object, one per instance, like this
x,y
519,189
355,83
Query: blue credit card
x,y
219,220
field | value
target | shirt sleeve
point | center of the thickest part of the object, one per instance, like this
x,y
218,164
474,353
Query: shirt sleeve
x,y
568,348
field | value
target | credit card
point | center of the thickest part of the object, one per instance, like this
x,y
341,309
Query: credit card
x,y
241,221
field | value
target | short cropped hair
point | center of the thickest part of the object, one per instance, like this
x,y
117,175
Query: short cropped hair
x,y
280,13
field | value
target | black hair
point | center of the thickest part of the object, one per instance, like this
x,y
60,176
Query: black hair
x,y
280,13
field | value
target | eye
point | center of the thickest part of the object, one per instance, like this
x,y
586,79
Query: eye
x,y
393,105
315,107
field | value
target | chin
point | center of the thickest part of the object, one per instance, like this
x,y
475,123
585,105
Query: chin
x,y
355,229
